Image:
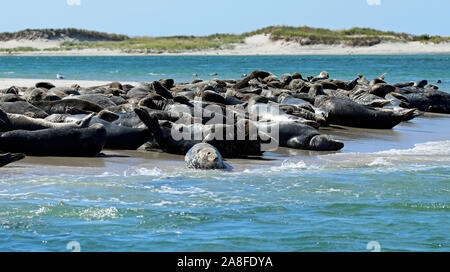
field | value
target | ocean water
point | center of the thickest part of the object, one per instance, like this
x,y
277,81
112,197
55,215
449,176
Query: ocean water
x,y
391,187
181,68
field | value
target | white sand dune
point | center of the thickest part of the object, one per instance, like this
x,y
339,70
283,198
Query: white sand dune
x,y
39,44
255,45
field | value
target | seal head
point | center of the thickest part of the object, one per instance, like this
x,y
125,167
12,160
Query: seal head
x,y
204,156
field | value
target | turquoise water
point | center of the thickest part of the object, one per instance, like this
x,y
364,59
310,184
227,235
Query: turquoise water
x,y
389,186
181,68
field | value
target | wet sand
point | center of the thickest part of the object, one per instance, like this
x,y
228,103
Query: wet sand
x,y
428,128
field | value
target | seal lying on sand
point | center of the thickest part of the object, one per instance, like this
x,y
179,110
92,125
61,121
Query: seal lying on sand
x,y
300,136
346,112
22,107
429,100
227,146
71,105
9,158
10,122
74,142
118,137
206,109
204,156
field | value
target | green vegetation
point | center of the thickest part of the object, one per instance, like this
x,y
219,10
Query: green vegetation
x,y
433,39
53,34
304,35
155,44
19,49
354,36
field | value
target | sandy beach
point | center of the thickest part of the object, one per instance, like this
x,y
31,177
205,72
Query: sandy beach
x,y
357,140
361,147
422,129
254,45
27,82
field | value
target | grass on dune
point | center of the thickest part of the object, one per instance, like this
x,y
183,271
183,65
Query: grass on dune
x,y
304,35
354,36
19,49
173,44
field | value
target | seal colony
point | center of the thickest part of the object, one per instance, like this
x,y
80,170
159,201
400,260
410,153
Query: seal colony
x,y
204,120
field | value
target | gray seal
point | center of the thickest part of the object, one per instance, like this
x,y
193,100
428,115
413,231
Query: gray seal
x,y
72,142
9,122
344,111
204,156
300,136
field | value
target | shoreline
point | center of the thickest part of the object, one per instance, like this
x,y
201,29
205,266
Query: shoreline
x,y
252,46
27,82
362,146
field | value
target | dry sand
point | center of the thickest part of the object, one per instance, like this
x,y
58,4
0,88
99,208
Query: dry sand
x,y
255,45
23,82
39,44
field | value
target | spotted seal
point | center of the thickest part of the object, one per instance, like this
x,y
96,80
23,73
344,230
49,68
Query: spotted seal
x,y
204,156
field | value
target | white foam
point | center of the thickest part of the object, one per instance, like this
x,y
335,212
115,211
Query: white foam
x,y
108,174
143,172
380,162
163,203
287,164
422,155
41,210
441,148
93,213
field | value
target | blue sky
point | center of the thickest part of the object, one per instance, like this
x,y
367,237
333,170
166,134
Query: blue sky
x,y
200,17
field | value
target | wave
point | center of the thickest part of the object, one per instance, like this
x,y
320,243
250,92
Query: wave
x,y
142,171
441,148
421,156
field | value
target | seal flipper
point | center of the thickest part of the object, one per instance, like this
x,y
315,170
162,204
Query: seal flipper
x,y
363,79
10,157
151,122
408,114
84,123
5,123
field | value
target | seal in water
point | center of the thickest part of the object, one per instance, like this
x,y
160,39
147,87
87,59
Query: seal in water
x,y
204,156
72,142
9,158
